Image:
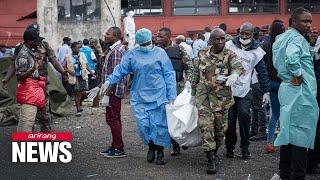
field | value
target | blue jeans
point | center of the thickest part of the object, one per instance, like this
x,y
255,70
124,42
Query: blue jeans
x,y
275,106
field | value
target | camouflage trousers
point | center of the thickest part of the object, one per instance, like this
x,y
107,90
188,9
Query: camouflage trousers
x,y
212,126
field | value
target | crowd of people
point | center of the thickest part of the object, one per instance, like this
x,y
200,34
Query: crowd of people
x,y
231,79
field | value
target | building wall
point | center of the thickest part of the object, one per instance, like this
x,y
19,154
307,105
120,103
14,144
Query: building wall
x,y
185,24
11,30
54,30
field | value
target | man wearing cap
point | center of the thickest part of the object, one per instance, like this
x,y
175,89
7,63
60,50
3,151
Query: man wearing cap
x,y
48,55
181,40
181,63
153,86
265,30
27,70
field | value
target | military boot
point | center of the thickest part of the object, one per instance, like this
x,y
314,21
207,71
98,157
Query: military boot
x,y
160,156
152,152
212,163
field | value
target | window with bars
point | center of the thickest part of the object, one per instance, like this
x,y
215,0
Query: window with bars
x,y
312,5
79,10
253,6
195,7
142,7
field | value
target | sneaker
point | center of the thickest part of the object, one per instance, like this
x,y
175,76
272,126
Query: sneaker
x,y
116,153
275,177
270,148
106,152
246,154
259,137
230,153
78,114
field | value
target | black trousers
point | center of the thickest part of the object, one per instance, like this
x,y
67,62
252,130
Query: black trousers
x,y
241,111
314,154
293,162
259,118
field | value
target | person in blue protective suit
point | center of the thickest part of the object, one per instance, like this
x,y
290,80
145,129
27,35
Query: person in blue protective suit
x,y
293,59
153,86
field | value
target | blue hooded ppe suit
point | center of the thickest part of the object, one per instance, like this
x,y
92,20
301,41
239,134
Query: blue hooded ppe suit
x,y
154,83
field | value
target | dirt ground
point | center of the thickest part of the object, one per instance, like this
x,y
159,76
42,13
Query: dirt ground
x,y
92,135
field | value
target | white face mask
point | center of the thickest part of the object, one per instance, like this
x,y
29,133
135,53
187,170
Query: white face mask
x,y
147,48
245,41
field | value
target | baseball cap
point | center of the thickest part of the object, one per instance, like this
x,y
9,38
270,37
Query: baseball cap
x,y
33,26
32,35
181,37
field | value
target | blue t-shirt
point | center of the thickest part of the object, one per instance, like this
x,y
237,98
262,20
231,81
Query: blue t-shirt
x,y
89,56
76,64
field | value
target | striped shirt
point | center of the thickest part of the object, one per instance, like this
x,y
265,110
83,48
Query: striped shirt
x,y
113,58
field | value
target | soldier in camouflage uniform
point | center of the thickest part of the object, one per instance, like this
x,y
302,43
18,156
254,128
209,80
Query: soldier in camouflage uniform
x,y
212,92
47,55
182,64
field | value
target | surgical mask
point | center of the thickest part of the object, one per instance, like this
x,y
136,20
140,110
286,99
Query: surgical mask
x,y
146,49
245,41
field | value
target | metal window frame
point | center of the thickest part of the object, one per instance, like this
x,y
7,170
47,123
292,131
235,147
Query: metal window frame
x,y
309,4
245,13
98,5
141,15
195,8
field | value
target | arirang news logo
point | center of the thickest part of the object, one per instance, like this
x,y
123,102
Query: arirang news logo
x,y
41,147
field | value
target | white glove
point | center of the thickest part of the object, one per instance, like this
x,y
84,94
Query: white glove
x,y
171,102
231,80
187,85
104,88
266,98
93,92
105,101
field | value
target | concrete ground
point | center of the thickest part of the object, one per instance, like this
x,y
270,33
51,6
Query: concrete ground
x,y
92,135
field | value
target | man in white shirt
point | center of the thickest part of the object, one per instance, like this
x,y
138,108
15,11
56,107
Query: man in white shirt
x,y
181,41
251,54
63,51
198,44
207,32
